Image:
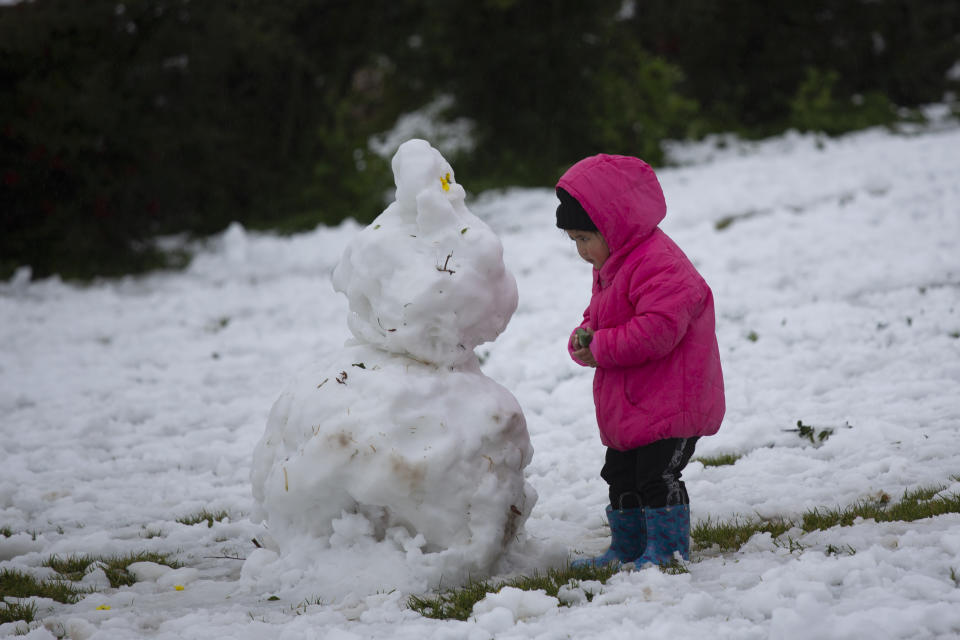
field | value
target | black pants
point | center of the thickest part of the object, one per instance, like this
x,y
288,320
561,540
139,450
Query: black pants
x,y
649,475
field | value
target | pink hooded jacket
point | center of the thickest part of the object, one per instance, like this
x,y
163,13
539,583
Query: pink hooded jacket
x,y
658,373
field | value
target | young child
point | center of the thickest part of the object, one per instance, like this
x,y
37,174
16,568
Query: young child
x,y
649,333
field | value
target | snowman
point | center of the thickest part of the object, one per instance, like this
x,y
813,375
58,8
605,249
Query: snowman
x,y
398,439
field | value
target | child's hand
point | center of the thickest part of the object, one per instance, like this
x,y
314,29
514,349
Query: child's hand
x,y
581,352
585,356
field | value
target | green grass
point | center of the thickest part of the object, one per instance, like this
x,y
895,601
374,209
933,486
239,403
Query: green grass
x,y
13,612
75,566
833,550
810,432
6,532
674,568
457,604
733,534
17,584
204,516
914,505
70,567
146,532
63,588
720,460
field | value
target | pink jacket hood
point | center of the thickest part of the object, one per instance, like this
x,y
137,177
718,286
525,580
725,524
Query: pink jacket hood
x,y
622,196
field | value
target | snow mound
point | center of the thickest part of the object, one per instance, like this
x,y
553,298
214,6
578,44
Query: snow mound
x,y
499,612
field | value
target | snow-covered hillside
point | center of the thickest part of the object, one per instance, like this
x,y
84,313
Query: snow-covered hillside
x,y
125,406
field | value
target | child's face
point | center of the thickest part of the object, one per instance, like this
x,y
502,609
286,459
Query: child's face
x,y
591,246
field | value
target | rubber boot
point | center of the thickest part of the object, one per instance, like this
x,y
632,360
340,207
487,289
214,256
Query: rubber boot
x,y
668,531
627,539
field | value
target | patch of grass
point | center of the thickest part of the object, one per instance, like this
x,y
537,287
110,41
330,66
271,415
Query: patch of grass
x,y
719,460
6,532
790,545
148,533
116,566
63,588
733,534
674,568
14,612
833,550
811,433
302,607
17,584
457,604
204,516
74,567
71,567
922,493
916,504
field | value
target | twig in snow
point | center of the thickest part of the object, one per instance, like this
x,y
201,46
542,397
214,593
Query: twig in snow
x,y
445,263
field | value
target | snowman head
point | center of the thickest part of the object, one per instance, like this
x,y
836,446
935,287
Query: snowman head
x,y
418,167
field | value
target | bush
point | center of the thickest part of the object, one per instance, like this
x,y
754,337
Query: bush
x,y
556,83
759,69
127,121
122,122
815,106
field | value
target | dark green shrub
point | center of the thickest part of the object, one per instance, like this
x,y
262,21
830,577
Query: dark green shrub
x,y
815,107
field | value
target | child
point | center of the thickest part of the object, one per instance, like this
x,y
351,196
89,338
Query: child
x,y
649,332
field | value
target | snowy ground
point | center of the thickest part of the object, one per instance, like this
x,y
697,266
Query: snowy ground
x,y
127,405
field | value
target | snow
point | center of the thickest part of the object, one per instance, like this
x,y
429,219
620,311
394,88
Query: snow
x,y
500,611
129,404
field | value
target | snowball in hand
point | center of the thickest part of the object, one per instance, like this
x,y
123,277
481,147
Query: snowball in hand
x,y
426,278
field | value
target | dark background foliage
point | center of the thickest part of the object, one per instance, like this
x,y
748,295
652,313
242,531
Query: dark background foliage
x,y
122,121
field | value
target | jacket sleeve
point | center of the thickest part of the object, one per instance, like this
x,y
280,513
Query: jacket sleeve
x,y
583,325
665,302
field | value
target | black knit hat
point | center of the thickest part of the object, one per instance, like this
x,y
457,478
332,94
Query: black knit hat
x,y
571,214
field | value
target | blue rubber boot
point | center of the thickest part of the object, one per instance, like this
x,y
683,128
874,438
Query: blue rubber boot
x,y
668,531
627,539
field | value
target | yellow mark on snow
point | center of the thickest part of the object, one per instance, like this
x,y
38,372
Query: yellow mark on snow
x,y
178,587
445,182
103,607
286,480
